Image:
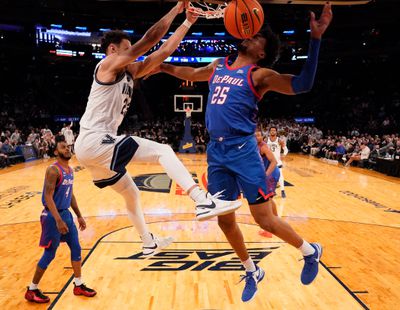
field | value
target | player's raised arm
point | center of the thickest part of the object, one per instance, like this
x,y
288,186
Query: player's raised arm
x,y
270,80
116,61
190,73
142,68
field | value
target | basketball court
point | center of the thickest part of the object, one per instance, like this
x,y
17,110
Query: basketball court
x,y
353,213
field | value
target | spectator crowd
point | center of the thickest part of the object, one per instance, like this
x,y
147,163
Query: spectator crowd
x,y
353,148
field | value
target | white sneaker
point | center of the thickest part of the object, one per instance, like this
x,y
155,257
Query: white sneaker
x,y
213,206
159,244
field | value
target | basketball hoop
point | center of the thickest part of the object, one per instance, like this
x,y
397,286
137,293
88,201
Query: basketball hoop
x,y
209,9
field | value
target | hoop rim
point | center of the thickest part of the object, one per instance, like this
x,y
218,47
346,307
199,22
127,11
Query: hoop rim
x,y
211,1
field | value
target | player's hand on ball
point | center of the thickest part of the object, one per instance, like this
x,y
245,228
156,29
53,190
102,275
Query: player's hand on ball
x,y
82,223
318,27
62,227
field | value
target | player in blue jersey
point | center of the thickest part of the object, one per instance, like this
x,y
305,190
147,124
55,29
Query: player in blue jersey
x,y
271,168
234,163
58,224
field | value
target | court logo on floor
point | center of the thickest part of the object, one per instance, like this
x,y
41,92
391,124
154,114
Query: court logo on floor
x,y
198,259
16,200
370,201
154,182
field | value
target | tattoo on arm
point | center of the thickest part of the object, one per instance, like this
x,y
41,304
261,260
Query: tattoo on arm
x,y
51,179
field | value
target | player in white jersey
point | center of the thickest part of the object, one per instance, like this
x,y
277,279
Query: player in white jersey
x,y
105,154
276,145
69,136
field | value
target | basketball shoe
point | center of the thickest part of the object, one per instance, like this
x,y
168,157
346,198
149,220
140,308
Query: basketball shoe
x,y
311,262
213,206
158,245
84,290
36,296
251,278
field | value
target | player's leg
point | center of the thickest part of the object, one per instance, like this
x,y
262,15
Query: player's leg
x,y
264,216
49,240
282,181
206,206
72,240
232,232
33,293
131,194
223,170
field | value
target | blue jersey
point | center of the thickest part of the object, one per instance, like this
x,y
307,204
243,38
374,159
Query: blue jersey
x,y
63,193
232,101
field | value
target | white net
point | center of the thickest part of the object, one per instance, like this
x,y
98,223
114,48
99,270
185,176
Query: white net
x,y
208,10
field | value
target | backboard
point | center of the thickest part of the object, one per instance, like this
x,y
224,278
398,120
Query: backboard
x,y
194,102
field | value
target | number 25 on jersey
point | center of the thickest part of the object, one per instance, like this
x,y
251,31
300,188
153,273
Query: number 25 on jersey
x,y
220,94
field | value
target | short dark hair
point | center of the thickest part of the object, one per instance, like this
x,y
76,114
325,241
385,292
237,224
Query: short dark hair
x,y
273,126
59,139
113,37
272,47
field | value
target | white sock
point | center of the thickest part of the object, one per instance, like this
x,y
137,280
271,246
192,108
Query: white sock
x,y
78,281
281,180
249,265
306,249
197,194
128,189
33,286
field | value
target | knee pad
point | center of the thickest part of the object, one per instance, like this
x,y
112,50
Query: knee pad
x,y
47,257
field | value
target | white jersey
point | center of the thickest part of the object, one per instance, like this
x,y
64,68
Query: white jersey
x,y
107,104
69,136
276,149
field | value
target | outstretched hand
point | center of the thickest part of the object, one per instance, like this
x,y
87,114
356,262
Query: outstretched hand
x,y
181,5
318,27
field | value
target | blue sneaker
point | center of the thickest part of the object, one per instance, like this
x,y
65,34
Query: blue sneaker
x,y
311,262
252,278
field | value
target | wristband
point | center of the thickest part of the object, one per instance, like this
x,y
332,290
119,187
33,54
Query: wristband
x,y
187,23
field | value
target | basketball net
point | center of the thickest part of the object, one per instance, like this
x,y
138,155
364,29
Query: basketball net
x,y
188,112
206,9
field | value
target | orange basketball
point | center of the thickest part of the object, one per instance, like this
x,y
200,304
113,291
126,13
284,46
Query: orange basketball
x,y
243,18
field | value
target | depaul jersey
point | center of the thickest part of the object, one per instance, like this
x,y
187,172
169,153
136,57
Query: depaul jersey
x,y
232,101
108,103
63,192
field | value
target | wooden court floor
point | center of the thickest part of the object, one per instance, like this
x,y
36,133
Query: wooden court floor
x,y
353,213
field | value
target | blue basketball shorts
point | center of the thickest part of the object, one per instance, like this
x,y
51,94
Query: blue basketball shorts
x,y
50,234
235,165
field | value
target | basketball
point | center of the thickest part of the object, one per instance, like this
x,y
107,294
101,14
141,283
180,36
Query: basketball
x,y
243,18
